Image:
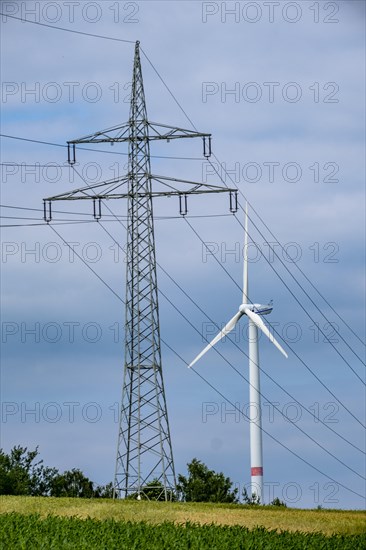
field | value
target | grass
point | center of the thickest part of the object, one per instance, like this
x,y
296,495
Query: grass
x,y
327,522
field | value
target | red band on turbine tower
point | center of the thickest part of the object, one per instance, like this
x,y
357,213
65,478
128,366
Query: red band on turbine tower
x,y
257,471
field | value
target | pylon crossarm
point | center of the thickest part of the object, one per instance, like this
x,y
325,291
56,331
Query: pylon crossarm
x,y
196,189
97,198
121,133
115,133
89,191
93,191
164,131
103,196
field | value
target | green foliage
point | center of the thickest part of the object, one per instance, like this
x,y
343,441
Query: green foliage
x,y
20,474
254,500
104,491
277,502
31,532
204,485
72,483
154,490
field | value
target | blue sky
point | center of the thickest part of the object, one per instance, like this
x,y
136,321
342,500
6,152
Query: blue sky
x,y
216,64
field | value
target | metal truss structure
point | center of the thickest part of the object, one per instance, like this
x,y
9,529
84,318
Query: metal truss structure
x,y
144,451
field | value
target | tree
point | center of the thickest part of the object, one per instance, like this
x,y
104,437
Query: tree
x,y
277,502
72,483
21,475
204,485
153,490
104,491
254,500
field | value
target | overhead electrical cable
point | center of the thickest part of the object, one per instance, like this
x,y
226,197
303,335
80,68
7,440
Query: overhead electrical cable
x,y
287,344
179,311
302,288
114,216
188,118
217,391
120,40
42,224
67,30
307,312
317,419
8,136
268,434
252,208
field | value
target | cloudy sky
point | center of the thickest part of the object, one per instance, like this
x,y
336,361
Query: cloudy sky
x,y
280,85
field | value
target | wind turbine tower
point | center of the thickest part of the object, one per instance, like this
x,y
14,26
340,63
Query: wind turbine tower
x,y
254,313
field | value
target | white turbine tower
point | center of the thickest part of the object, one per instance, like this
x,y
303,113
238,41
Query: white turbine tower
x,y
254,313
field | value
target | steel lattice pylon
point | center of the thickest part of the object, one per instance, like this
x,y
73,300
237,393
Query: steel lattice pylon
x,y
144,450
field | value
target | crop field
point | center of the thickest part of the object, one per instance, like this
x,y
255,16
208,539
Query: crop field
x,y
29,531
71,523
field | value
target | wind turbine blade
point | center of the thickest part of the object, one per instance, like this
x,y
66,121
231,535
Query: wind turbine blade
x,y
227,328
245,265
260,324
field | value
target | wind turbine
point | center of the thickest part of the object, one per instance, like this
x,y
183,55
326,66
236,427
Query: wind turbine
x,y
254,313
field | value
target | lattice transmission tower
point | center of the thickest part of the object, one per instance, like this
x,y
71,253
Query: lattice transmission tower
x,y
144,451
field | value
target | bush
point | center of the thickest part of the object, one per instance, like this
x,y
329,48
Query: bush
x,y
204,485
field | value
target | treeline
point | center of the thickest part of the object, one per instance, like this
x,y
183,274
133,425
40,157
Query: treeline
x,y
22,473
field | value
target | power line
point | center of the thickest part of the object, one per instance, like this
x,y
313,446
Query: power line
x,y
263,371
217,351
24,218
188,118
198,331
299,284
272,437
294,278
168,89
93,150
306,311
12,206
38,165
309,281
68,30
215,389
229,275
103,151
264,396
293,351
190,121
43,224
109,209
307,295
115,218
66,222
33,140
27,225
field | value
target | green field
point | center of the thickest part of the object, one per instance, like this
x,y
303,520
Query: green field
x,y
47,523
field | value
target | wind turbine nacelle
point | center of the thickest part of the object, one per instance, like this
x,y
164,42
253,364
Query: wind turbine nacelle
x,y
260,309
